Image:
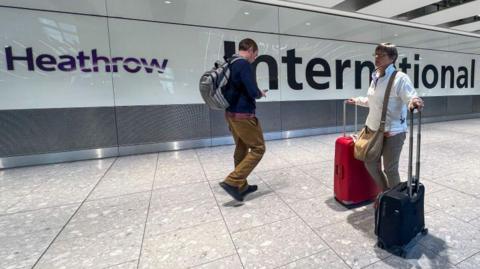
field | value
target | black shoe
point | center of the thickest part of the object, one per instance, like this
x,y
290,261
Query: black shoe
x,y
250,189
233,191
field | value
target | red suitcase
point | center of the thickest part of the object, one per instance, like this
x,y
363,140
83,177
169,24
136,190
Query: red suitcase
x,y
352,184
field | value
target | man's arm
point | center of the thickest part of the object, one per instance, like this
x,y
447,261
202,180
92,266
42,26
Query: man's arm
x,y
408,94
247,77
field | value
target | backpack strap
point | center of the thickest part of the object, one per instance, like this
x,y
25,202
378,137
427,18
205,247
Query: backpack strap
x,y
234,58
230,61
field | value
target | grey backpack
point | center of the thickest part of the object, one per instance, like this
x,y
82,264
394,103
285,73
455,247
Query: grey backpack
x,y
213,82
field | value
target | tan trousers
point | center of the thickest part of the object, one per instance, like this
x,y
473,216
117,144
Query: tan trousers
x,y
389,177
249,150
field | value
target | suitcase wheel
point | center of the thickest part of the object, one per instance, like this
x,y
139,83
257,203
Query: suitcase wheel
x,y
402,253
424,231
380,245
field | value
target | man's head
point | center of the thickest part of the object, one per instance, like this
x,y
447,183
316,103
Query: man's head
x,y
385,54
248,48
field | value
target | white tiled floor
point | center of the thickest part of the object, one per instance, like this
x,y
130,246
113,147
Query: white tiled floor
x,y
166,210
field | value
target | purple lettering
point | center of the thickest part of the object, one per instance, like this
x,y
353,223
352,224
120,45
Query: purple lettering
x,y
82,58
154,63
69,65
45,59
96,58
114,63
82,62
132,60
11,58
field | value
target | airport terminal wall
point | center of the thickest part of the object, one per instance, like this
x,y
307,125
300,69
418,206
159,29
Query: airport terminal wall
x,y
92,79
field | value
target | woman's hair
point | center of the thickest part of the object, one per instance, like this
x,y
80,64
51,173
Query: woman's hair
x,y
389,49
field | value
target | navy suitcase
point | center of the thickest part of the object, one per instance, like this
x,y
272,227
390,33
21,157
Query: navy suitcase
x,y
399,216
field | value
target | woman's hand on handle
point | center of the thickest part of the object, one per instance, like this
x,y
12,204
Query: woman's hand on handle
x,y
417,103
350,101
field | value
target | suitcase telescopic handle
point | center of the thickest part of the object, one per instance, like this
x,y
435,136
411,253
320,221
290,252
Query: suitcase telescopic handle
x,y
345,118
411,178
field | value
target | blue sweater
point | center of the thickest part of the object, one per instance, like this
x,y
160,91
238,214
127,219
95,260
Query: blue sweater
x,y
241,91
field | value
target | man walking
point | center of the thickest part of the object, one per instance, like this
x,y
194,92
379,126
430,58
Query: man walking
x,y
241,92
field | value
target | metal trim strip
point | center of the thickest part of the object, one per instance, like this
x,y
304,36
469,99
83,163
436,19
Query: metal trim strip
x,y
49,158
57,157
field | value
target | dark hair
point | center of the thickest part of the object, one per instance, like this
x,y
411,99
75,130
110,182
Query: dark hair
x,y
389,49
246,44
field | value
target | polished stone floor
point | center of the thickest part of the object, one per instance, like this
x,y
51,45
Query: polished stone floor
x,y
166,210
